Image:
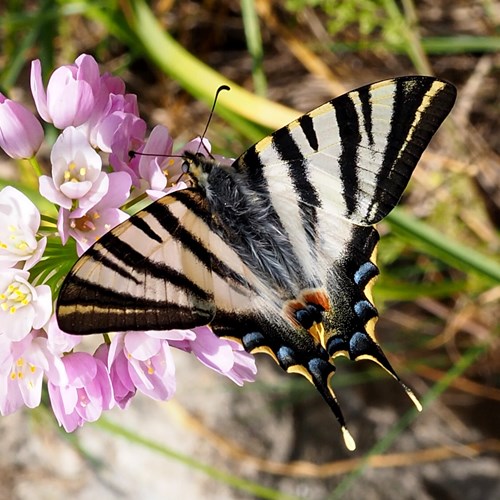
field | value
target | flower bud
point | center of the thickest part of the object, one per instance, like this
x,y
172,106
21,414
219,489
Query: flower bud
x,y
71,92
20,132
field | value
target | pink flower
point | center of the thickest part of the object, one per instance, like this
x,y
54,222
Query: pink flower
x,y
86,394
224,356
109,85
19,223
123,386
244,368
22,366
154,169
59,342
76,172
121,129
88,226
71,92
115,116
124,132
22,306
20,132
144,360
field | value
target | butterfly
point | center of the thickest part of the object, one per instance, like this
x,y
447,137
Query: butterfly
x,y
276,250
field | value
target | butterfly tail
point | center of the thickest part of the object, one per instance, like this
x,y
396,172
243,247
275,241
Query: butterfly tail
x,y
303,356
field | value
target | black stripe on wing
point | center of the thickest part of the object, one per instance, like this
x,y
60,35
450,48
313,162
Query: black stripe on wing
x,y
95,254
84,307
366,110
307,125
141,224
143,267
173,226
350,137
250,164
419,107
290,153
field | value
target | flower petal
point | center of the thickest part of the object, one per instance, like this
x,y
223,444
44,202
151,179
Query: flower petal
x,y
38,90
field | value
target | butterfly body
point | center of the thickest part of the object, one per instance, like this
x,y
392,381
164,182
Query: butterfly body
x,y
246,220
276,250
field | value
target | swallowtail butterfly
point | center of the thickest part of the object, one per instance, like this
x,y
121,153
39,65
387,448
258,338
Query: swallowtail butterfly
x,y
276,250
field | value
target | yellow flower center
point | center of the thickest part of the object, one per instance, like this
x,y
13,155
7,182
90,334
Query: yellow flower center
x,y
74,173
19,370
150,367
15,242
14,297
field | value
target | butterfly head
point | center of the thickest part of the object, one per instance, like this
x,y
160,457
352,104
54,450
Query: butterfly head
x,y
197,167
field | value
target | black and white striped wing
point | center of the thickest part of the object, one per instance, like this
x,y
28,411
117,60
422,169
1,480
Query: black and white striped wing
x,y
351,157
329,176
161,269
345,165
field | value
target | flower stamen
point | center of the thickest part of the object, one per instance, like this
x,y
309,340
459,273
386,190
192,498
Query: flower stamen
x,y
16,295
74,174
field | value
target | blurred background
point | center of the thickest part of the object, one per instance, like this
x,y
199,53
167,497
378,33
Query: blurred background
x,y
438,293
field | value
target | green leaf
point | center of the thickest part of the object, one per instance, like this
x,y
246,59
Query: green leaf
x,y
452,252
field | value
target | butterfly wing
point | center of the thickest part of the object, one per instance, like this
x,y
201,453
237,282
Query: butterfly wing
x,y
333,173
352,157
163,268
345,165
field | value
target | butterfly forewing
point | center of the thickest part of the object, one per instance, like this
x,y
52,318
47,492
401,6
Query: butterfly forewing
x,y
353,155
162,268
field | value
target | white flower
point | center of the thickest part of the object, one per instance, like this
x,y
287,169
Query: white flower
x,y
76,172
19,223
22,306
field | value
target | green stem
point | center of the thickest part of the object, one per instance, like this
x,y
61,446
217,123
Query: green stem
x,y
36,166
50,220
197,77
254,44
451,251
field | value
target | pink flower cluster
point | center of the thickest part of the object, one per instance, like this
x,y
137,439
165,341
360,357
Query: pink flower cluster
x,y
92,176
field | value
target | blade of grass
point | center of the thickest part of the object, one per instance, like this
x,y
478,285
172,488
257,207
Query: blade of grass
x,y
461,44
254,44
432,45
388,289
451,251
229,479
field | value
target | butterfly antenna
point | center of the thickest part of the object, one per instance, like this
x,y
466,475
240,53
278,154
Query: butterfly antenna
x,y
219,90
